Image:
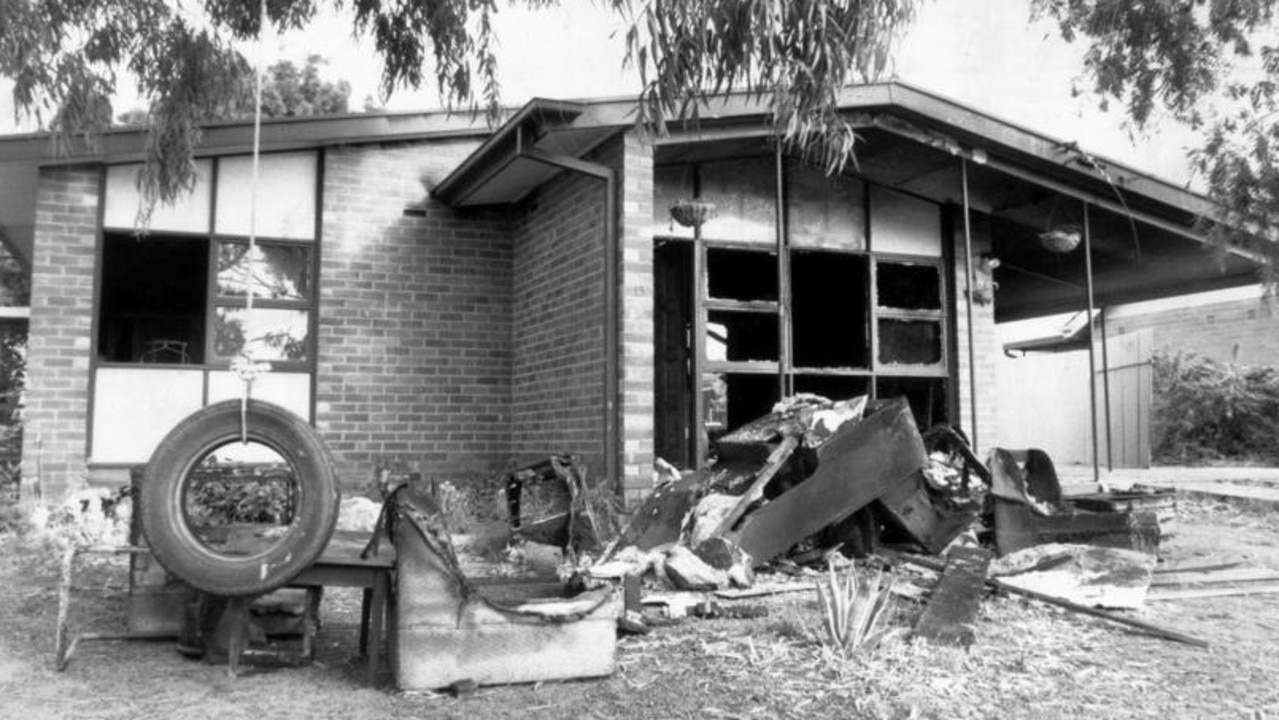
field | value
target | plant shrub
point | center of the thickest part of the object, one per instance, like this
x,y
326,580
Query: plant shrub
x,y
1207,411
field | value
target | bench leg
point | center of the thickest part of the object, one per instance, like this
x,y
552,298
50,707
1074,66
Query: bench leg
x,y
378,611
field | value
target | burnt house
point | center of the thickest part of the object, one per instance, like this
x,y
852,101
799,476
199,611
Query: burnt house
x,y
435,292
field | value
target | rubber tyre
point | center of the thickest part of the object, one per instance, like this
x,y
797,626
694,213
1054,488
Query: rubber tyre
x,y
163,482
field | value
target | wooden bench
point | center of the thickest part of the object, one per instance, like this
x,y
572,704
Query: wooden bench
x,y
340,565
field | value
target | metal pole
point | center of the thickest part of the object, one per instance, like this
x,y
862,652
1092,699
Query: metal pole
x,y
784,386
1105,390
1092,347
968,295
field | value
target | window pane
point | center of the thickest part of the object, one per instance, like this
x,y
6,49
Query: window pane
x,y
741,336
741,274
825,212
273,334
904,224
744,193
927,397
286,195
835,387
730,400
909,342
187,214
830,313
152,299
281,272
908,287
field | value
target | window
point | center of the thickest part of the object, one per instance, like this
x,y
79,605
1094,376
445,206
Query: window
x,y
179,293
851,301
153,302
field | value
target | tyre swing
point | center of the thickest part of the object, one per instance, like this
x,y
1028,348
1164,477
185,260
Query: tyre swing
x,y
241,496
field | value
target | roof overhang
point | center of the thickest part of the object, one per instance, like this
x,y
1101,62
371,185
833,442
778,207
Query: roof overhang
x,y
1144,235
21,156
505,169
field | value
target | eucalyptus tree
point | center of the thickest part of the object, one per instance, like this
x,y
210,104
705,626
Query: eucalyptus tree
x,y
1213,64
68,57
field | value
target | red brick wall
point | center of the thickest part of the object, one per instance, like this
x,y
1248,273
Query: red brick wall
x,y
558,306
414,359
1244,330
636,241
62,276
986,346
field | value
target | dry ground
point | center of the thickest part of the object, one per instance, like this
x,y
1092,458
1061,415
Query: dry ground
x,y
1029,661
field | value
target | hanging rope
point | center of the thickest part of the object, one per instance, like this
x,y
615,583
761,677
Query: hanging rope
x,y
244,366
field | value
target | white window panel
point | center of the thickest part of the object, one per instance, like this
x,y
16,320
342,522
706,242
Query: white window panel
x,y
188,214
903,224
286,195
289,390
133,409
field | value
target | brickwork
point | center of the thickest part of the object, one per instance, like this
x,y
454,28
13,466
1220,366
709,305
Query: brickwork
x,y
986,347
637,389
1244,331
558,306
414,355
62,275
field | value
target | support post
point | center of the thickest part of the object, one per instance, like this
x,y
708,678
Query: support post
x,y
1092,347
968,296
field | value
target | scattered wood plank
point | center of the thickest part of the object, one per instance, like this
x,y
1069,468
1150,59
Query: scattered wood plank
x,y
1210,592
1168,570
952,610
764,591
1242,575
1155,630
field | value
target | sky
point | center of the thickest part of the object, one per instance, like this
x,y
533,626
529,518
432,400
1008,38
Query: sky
x,y
983,53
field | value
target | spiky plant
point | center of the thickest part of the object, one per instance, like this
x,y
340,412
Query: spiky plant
x,y
854,606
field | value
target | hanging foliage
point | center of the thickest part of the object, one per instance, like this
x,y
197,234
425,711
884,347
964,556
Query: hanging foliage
x,y
68,57
1213,64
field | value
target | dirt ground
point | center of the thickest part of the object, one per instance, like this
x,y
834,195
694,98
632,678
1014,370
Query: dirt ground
x,y
1029,661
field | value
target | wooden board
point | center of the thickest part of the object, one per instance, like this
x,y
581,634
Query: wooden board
x,y
948,619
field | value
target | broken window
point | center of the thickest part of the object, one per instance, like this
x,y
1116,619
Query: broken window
x,y
745,275
733,399
909,342
179,294
857,304
926,395
832,386
741,336
908,286
829,313
153,294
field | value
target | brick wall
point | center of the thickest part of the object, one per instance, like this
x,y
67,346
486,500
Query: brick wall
x,y
558,320
1244,331
986,348
62,273
637,390
414,360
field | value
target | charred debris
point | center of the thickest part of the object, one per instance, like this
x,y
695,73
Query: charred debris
x,y
818,482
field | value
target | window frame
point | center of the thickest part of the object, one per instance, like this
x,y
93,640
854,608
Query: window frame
x,y
213,300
